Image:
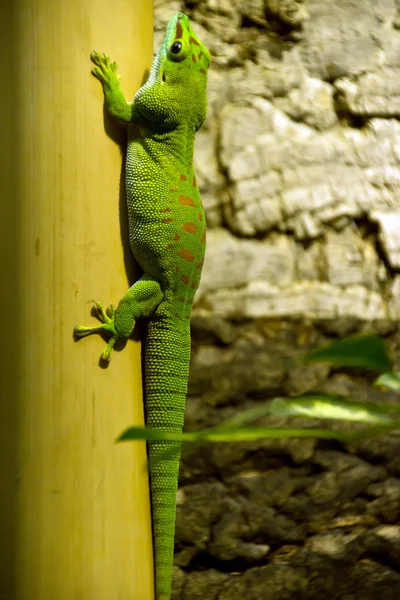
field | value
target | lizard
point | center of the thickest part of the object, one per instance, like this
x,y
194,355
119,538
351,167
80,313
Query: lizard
x,y
167,235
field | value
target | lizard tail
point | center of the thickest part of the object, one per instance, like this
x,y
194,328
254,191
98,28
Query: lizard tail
x,y
167,357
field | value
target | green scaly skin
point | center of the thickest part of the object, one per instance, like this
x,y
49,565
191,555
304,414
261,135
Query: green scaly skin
x,y
167,232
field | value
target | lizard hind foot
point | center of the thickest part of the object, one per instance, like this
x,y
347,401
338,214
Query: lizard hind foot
x,y
107,326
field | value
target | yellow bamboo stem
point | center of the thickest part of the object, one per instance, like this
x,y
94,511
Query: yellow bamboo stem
x,y
74,507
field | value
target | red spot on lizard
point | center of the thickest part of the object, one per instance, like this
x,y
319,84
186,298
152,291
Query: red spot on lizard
x,y
186,255
179,30
189,227
186,201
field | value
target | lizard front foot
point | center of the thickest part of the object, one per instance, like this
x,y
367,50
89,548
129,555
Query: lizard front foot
x,y
108,326
105,70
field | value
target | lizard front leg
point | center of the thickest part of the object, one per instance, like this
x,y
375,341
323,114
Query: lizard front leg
x,y
140,300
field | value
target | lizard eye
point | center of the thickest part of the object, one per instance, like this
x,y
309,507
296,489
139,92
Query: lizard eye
x,y
176,47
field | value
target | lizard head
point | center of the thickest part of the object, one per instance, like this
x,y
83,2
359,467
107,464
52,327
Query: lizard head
x,y
175,91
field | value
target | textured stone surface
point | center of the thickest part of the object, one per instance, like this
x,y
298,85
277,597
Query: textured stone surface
x,y
289,171
336,277
389,223
312,103
233,262
375,94
308,300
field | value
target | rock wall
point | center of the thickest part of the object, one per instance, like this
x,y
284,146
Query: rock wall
x,y
299,168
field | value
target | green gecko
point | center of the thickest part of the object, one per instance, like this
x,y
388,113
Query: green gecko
x,y
167,233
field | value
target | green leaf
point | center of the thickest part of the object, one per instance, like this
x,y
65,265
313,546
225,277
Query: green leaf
x,y
368,352
245,416
390,380
247,434
317,406
325,406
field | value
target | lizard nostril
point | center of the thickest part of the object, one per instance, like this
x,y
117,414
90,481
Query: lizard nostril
x,y
163,76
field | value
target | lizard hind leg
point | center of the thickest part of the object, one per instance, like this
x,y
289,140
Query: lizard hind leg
x,y
140,300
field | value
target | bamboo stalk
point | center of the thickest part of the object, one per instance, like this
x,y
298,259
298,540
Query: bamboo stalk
x,y
75,504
